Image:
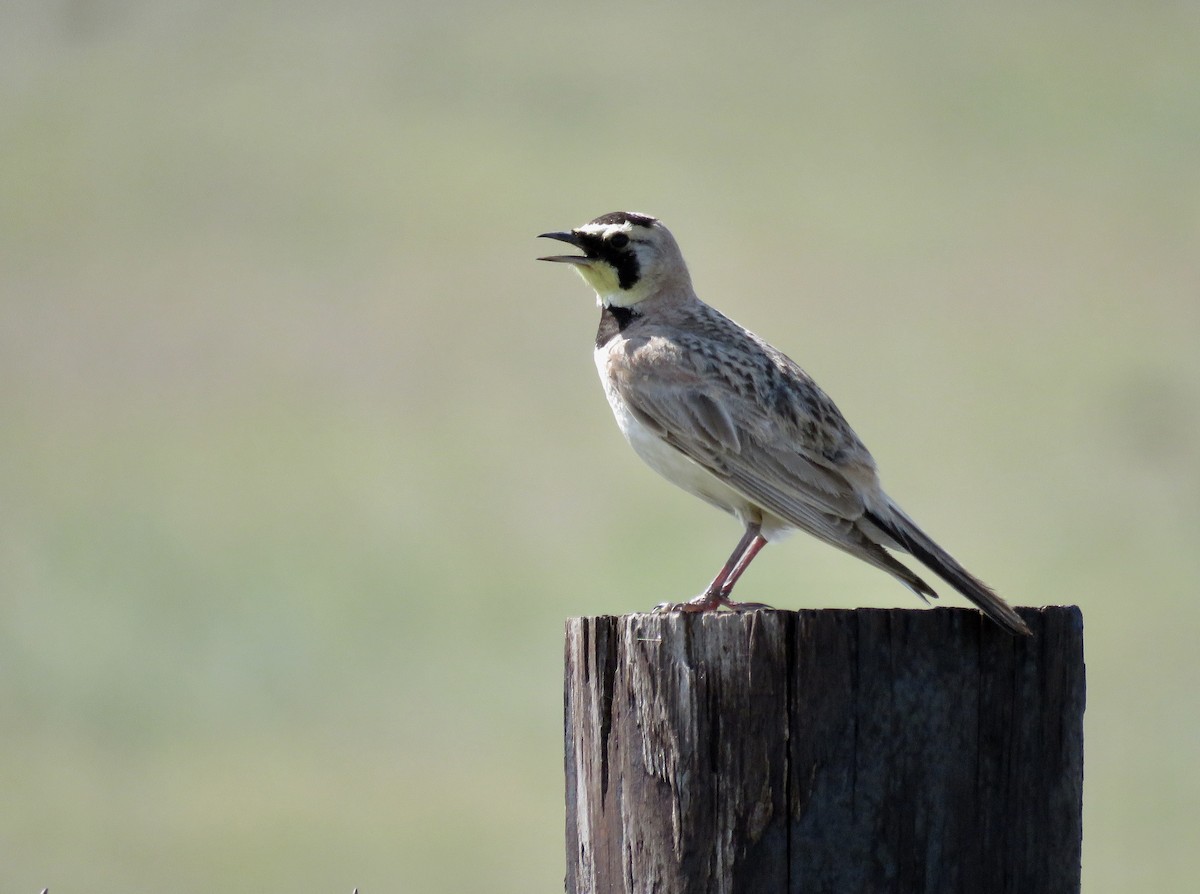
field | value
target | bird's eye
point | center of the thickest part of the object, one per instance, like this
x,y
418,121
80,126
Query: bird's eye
x,y
618,240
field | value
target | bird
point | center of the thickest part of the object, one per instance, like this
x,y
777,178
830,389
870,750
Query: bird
x,y
722,414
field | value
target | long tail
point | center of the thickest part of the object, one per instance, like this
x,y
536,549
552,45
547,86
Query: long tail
x,y
922,547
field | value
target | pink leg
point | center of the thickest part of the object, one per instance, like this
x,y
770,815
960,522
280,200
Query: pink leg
x,y
717,593
743,563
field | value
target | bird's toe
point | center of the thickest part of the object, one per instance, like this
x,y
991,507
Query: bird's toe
x,y
748,606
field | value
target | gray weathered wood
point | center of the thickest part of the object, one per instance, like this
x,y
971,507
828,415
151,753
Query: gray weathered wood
x,y
824,751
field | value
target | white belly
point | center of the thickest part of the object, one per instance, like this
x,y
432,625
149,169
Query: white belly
x,y
682,471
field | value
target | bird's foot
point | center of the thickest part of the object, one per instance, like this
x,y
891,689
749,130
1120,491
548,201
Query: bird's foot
x,y
710,602
705,602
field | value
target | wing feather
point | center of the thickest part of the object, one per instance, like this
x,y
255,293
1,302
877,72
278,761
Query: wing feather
x,y
785,447
769,456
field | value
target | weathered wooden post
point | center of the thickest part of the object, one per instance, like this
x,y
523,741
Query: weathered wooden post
x,y
824,751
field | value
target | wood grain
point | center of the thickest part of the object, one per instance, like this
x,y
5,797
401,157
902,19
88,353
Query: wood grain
x,y
840,751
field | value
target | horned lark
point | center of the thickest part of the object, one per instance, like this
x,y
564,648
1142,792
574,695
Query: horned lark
x,y
717,411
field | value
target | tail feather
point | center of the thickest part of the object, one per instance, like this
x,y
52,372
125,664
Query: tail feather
x,y
880,557
922,547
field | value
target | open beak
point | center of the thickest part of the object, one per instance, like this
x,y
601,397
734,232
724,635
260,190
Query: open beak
x,y
571,239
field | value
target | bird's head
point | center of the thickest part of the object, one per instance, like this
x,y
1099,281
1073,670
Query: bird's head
x,y
627,257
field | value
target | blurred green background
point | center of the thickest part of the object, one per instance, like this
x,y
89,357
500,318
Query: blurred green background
x,y
303,462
